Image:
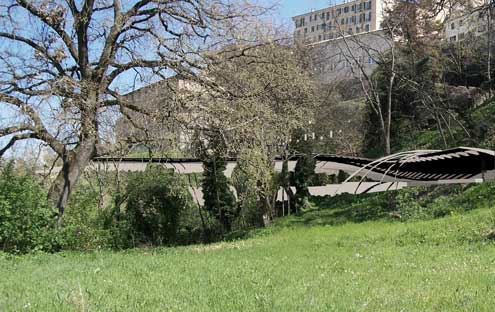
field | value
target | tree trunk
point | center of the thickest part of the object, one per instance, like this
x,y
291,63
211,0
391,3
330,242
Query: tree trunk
x,y
73,166
489,61
387,143
385,132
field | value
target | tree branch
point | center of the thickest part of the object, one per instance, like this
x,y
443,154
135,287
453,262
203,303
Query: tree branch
x,y
37,47
14,139
38,129
54,24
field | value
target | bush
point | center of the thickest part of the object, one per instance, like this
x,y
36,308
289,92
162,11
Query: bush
x,y
157,198
303,173
27,223
408,204
84,222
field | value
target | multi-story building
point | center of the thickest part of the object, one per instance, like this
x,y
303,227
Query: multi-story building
x,y
352,17
346,39
474,23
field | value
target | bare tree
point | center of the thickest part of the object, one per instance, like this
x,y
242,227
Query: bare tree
x,y
357,52
66,64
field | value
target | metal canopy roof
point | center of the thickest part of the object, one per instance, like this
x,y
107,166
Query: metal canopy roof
x,y
452,164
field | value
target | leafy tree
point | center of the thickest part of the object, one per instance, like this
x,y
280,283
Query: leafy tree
x,y
270,93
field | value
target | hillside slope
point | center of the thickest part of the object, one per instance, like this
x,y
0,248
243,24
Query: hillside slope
x,y
438,265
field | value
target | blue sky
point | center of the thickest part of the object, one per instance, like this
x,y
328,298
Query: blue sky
x,y
290,8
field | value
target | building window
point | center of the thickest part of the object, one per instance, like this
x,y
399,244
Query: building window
x,y
367,27
319,37
452,26
346,9
461,22
339,11
312,29
453,39
369,17
322,16
300,22
358,30
353,19
349,31
353,8
461,36
342,21
311,18
328,16
316,17
368,5
305,30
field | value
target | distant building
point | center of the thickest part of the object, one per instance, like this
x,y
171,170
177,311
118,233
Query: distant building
x,y
474,23
163,125
348,57
352,17
345,39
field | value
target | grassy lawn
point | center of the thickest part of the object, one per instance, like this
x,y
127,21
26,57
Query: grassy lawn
x,y
439,265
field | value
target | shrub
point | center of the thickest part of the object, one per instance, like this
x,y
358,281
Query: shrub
x,y
84,222
303,173
156,200
27,223
408,204
218,197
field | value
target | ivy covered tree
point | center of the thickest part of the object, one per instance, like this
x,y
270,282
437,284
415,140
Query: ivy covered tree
x,y
256,188
305,167
284,183
219,199
303,172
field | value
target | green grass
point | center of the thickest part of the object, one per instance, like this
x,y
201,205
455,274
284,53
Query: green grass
x,y
438,265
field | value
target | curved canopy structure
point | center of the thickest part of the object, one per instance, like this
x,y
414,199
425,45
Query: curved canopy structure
x,y
453,164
